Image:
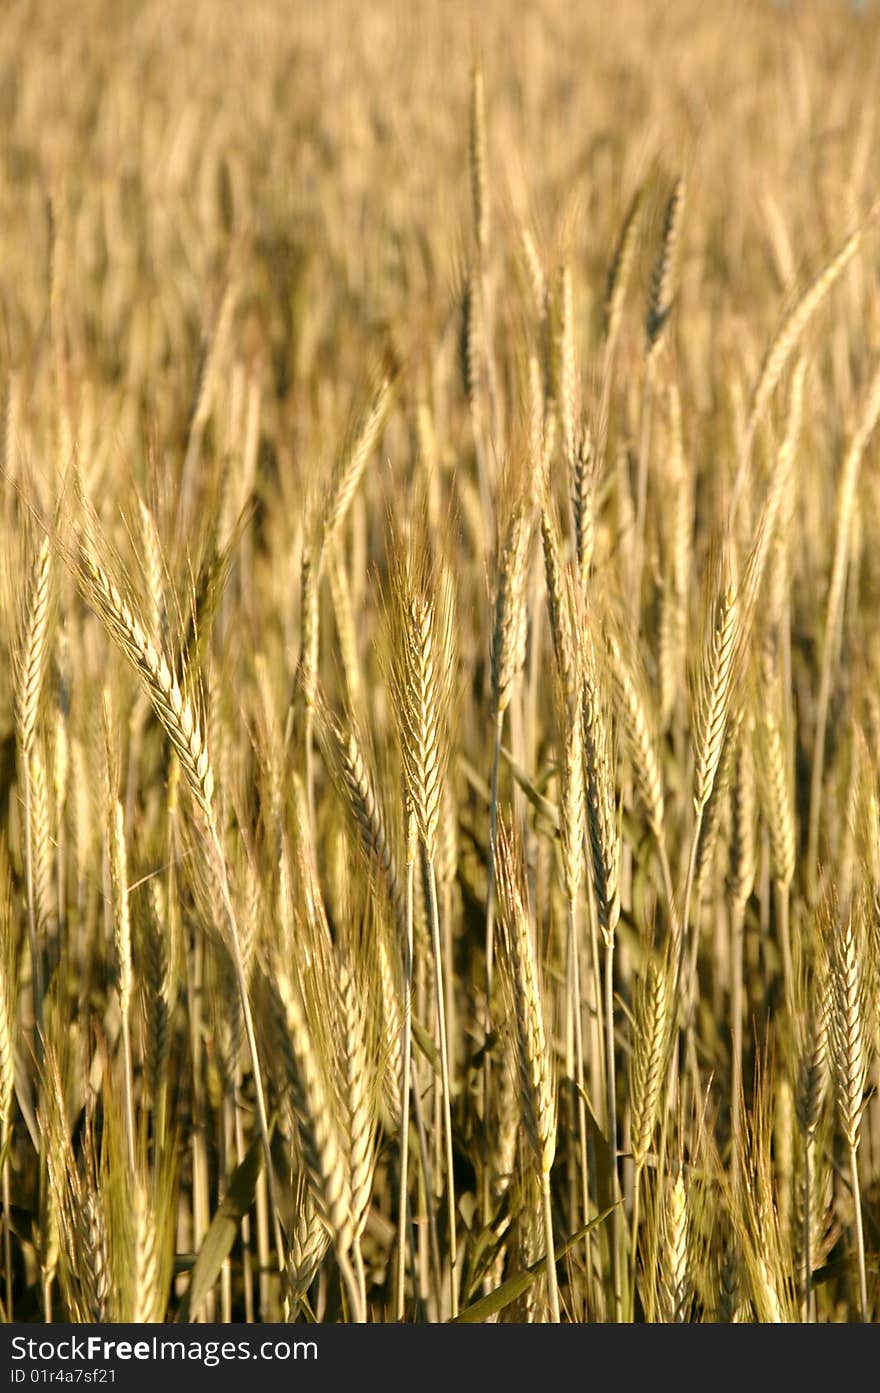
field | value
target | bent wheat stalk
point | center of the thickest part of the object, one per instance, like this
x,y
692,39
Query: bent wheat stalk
x,y
180,721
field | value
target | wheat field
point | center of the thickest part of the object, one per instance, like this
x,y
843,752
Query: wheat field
x,y
440,824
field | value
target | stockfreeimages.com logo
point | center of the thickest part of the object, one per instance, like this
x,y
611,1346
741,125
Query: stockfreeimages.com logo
x,y
95,1349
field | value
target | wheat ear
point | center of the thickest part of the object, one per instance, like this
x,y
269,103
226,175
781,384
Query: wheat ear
x,y
481,208
661,298
309,1241
810,1092
849,1030
787,338
619,276
712,710
424,666
664,275
353,461
347,758
651,1034
674,1266
31,665
583,504
620,270
314,1111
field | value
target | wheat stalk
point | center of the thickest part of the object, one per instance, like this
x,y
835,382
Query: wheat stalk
x,y
537,1100
181,723
846,500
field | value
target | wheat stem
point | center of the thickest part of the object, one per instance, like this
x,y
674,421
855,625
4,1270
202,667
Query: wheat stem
x,y
807,1312
634,1240
737,924
37,977
611,1084
550,1250
352,1286
7,1230
490,952
250,1032
445,1082
577,1007
405,1081
860,1231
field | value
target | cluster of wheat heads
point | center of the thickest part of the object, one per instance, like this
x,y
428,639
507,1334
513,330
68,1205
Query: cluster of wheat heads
x,y
440,834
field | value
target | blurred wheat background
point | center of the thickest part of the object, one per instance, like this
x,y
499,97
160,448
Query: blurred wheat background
x,y
440,839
